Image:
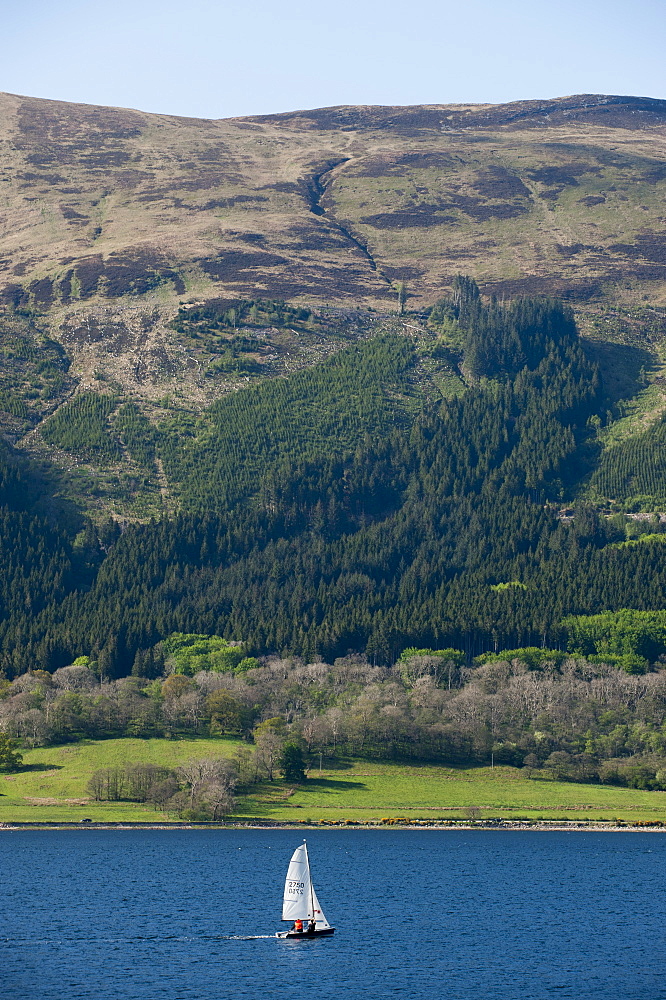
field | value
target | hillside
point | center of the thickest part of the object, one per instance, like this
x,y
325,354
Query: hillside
x,y
405,491
331,205
110,217
129,241
246,389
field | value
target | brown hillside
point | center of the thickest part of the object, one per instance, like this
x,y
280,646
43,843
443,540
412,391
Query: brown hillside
x,y
332,205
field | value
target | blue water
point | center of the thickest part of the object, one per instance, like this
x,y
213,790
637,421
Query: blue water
x,y
181,915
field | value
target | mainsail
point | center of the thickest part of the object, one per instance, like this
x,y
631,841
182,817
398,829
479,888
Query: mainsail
x,y
300,900
297,900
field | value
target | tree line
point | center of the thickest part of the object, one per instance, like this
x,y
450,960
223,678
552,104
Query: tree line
x,y
555,714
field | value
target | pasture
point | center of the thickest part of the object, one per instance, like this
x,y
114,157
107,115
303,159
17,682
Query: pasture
x,y
52,788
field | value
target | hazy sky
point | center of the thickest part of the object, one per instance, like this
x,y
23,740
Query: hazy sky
x,y
218,58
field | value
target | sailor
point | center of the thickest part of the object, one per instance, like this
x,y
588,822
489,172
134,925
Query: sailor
x,y
298,926
311,926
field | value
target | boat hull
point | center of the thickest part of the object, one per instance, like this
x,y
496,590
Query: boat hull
x,y
300,935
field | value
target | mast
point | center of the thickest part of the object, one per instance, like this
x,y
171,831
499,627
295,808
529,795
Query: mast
x,y
307,858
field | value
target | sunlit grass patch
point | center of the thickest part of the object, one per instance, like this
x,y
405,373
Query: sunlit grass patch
x,y
53,786
368,791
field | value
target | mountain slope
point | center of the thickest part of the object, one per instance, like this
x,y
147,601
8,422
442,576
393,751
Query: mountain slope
x,y
128,239
330,205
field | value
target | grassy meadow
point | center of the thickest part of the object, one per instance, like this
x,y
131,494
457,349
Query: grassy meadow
x,y
52,788
371,791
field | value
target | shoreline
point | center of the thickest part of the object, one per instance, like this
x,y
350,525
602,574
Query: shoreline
x,y
541,826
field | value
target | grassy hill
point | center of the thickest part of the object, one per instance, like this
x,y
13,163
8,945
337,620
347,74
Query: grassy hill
x,y
229,319
53,789
53,785
331,205
111,216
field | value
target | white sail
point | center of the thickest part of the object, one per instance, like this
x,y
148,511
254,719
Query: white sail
x,y
297,899
318,912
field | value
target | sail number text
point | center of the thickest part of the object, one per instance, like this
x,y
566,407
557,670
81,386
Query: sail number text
x,y
296,888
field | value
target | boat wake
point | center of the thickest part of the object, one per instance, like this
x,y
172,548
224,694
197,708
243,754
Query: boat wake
x,y
245,937
30,942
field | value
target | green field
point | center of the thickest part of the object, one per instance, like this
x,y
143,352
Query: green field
x,y
369,791
53,789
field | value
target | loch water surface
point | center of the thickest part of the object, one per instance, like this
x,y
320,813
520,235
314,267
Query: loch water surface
x,y
465,915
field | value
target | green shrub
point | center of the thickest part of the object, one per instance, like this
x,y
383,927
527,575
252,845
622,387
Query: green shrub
x,y
533,656
189,653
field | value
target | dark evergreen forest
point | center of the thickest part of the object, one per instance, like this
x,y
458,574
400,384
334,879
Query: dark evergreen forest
x,y
325,514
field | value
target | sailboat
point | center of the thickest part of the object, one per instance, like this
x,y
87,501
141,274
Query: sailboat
x,y
300,903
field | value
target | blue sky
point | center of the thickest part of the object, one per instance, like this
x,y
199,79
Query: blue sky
x,y
218,59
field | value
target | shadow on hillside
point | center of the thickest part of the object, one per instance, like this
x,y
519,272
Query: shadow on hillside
x,y
331,765
41,767
622,367
331,785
